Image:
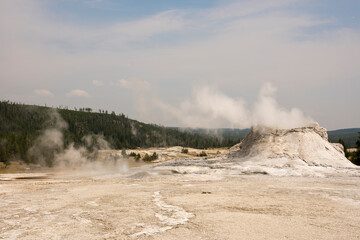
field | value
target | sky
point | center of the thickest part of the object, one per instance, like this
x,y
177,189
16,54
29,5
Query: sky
x,y
185,63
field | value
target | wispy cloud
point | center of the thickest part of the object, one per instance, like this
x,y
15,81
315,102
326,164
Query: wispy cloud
x,y
133,83
78,93
236,45
43,93
115,36
97,83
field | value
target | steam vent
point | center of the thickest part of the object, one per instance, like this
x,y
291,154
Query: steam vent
x,y
303,151
305,146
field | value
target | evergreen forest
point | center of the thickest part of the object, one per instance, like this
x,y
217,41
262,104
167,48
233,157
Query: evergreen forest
x,y
21,125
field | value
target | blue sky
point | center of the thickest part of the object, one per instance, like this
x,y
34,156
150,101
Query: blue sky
x,y
166,61
111,10
345,12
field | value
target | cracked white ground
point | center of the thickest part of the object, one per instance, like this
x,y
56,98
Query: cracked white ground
x,y
176,206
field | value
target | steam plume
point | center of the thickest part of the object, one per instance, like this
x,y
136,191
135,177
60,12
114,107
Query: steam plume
x,y
49,149
210,108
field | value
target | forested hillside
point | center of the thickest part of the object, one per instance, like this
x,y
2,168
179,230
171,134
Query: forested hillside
x,y
350,136
229,136
22,124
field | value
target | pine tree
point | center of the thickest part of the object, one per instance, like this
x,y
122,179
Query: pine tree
x,y
356,157
4,156
347,154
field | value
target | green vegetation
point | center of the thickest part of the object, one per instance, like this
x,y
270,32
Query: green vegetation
x,y
136,156
150,158
203,154
227,136
347,154
349,136
21,125
355,158
185,150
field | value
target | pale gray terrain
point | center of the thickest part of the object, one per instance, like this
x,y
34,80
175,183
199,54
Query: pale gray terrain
x,y
275,184
191,206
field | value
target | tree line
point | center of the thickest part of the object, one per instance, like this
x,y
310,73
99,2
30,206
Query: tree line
x,y
21,124
353,156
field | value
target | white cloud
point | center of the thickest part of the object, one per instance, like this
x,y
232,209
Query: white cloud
x,y
133,83
78,93
123,83
97,83
113,37
249,40
43,93
236,46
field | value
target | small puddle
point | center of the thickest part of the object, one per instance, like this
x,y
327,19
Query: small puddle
x,y
24,176
32,178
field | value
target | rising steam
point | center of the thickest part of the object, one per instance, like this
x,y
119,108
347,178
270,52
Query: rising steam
x,y
49,149
210,108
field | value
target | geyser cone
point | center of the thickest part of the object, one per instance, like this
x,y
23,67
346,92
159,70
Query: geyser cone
x,y
305,145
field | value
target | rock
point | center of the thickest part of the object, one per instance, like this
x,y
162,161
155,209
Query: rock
x,y
303,151
308,144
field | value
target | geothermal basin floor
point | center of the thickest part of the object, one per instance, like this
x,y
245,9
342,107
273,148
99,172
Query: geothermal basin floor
x,y
189,206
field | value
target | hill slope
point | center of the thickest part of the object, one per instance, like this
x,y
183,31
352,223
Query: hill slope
x,y
22,124
350,136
